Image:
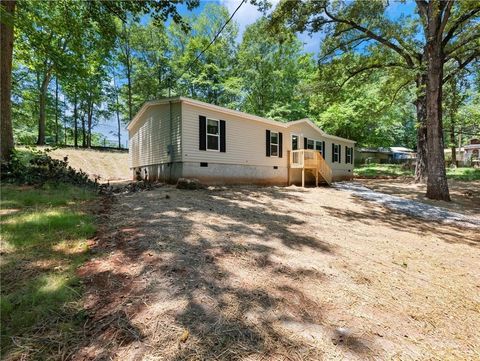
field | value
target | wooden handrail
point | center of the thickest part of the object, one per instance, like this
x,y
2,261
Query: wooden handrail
x,y
310,159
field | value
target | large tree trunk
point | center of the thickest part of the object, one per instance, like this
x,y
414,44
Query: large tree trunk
x,y
421,168
84,133
129,84
452,141
117,110
42,100
437,185
75,121
56,110
89,123
6,53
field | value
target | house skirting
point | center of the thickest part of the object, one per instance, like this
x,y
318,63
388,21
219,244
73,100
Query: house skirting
x,y
164,172
219,174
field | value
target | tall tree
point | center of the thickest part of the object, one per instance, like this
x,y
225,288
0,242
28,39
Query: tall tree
x,y
271,72
206,77
447,27
126,59
358,22
7,16
93,12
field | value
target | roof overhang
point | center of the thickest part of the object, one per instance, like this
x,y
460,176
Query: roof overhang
x,y
320,131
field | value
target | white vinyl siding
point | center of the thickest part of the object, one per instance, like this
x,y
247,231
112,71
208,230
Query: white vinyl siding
x,y
151,136
245,139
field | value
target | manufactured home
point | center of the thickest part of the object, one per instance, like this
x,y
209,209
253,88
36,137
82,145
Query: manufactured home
x,y
181,137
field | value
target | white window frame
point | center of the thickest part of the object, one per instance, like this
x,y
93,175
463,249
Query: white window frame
x,y
311,140
321,146
349,155
207,134
272,144
298,141
336,157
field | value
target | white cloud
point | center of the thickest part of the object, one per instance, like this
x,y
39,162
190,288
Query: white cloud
x,y
246,15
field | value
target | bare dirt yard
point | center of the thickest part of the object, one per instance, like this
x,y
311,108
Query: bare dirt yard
x,y
277,274
465,195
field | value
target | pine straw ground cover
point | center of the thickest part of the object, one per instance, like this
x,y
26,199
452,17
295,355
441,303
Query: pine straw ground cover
x,y
277,274
43,240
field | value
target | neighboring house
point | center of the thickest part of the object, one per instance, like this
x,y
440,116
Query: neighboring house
x,y
466,156
472,153
372,155
384,155
181,137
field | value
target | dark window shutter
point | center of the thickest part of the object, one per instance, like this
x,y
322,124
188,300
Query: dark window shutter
x,y
305,143
347,152
352,153
267,143
202,132
323,149
339,153
280,145
333,153
222,136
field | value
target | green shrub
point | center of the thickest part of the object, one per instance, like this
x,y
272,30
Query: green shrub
x,y
36,167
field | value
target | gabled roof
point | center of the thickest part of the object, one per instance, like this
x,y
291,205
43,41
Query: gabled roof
x,y
320,131
237,113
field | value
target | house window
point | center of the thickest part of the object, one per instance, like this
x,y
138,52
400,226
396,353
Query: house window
x,y
349,154
294,142
213,134
273,144
310,144
319,146
335,152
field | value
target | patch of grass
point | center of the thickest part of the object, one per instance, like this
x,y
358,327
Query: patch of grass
x,y
398,170
43,240
464,174
382,170
49,195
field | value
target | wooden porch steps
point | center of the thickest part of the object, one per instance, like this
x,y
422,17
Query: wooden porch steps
x,y
310,160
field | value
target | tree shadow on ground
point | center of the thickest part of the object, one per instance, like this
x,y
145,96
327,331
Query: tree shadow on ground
x,y
193,289
373,214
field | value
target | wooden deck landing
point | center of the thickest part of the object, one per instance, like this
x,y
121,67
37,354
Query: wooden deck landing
x,y
309,160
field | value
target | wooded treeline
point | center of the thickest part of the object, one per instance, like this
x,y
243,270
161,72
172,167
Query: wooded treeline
x,y
76,64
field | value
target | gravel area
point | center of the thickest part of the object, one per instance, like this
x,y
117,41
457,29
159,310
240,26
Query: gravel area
x,y
410,207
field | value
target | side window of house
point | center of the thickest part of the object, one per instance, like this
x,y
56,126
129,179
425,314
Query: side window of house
x,y
213,134
335,152
274,144
349,154
294,142
318,146
310,144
